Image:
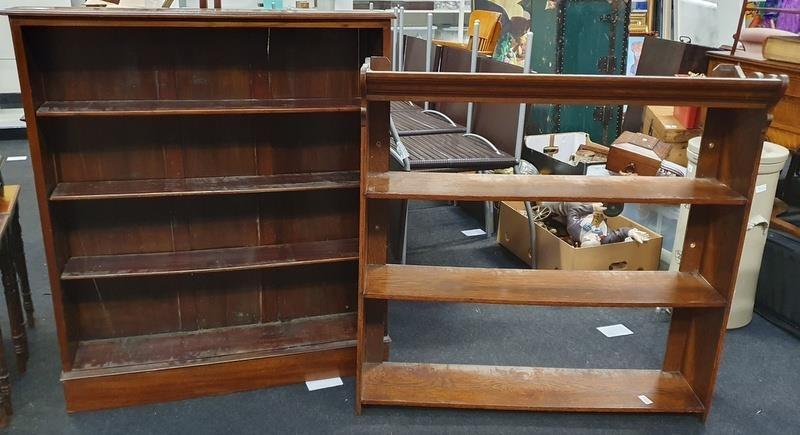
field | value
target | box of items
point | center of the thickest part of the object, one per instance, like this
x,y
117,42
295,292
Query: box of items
x,y
554,253
662,123
563,153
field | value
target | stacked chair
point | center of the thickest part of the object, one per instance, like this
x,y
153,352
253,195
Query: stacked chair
x,y
453,137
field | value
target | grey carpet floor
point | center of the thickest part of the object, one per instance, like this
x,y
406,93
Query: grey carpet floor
x,y
758,390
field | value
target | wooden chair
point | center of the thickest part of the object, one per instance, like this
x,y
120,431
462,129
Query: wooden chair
x,y
488,34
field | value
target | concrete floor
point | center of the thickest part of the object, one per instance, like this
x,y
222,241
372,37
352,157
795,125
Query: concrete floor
x,y
758,390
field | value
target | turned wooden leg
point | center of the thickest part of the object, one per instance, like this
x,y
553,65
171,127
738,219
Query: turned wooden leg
x,y
5,388
21,265
14,305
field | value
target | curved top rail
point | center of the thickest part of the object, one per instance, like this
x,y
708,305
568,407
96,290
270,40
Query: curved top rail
x,y
750,93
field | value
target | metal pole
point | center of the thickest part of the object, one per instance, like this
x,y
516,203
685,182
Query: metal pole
x,y
371,6
473,67
461,20
428,49
394,40
400,53
526,69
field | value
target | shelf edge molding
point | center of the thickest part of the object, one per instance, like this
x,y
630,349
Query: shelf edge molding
x,y
526,388
230,185
503,187
210,260
540,287
195,107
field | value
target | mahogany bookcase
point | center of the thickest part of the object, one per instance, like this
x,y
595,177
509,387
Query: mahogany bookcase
x,y
197,176
700,292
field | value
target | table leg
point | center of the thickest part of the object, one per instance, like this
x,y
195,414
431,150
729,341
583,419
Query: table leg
x,y
18,255
5,388
15,315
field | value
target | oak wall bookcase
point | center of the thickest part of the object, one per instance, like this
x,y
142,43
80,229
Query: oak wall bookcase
x,y
197,176
700,292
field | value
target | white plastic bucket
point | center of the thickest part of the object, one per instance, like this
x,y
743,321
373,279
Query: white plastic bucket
x,y
773,158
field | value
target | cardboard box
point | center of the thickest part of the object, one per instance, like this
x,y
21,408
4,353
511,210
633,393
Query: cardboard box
x,y
661,123
554,253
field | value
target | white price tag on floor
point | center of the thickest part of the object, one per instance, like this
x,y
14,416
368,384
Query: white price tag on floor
x,y
16,158
614,330
324,383
473,233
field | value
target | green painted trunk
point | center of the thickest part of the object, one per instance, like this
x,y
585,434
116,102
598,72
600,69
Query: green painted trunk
x,y
579,37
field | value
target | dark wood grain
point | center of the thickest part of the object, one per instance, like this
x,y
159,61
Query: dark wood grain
x,y
526,388
574,89
193,107
159,351
159,188
540,287
214,378
210,260
151,132
498,187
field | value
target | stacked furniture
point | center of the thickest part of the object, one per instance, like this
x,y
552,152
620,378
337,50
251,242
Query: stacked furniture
x,y
197,175
784,129
700,293
429,140
579,37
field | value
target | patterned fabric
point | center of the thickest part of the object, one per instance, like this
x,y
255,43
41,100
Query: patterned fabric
x,y
789,22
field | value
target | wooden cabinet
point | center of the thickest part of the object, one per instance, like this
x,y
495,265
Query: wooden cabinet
x,y
784,129
197,174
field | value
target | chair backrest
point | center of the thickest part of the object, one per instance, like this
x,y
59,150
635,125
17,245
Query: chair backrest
x,y
454,60
489,32
497,122
414,56
217,4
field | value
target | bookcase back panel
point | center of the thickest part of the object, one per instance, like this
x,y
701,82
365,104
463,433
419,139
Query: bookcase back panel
x,y
133,306
99,63
181,224
110,148
313,290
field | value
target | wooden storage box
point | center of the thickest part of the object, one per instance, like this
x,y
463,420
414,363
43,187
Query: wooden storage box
x,y
637,153
554,253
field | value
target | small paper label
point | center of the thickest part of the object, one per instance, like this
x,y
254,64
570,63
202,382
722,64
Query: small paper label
x,y
646,400
324,383
16,158
473,233
614,330
761,188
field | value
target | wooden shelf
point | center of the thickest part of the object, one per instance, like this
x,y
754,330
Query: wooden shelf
x,y
194,107
92,190
526,388
210,260
540,287
496,187
207,346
